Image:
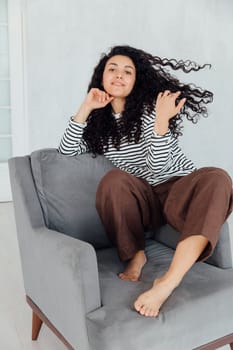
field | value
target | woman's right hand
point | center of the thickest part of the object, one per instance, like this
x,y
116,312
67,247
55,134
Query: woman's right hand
x,y
95,99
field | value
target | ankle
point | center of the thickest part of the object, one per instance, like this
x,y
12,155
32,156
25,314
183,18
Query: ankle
x,y
169,280
140,252
139,255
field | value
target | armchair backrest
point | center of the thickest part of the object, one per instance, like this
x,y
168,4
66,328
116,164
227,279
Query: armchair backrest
x,y
25,195
66,188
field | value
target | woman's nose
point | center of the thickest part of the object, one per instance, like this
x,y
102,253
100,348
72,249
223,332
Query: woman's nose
x,y
119,75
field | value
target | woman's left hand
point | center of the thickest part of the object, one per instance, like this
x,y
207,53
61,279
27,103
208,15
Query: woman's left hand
x,y
166,107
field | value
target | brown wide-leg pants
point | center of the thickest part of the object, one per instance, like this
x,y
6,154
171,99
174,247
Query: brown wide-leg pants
x,y
195,204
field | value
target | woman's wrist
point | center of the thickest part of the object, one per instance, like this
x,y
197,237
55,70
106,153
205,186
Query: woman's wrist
x,y
161,126
82,114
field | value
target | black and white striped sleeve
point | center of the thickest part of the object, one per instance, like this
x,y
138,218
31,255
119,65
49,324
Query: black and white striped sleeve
x,y
159,156
72,142
159,148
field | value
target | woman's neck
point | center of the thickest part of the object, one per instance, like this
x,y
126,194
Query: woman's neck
x,y
118,105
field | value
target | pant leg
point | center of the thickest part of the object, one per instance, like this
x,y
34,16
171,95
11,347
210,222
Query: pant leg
x,y
199,203
125,205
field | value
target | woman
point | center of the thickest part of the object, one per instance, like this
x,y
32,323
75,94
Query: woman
x,y
132,115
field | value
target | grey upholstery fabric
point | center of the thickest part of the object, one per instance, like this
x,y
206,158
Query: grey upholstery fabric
x,y
222,255
66,188
60,272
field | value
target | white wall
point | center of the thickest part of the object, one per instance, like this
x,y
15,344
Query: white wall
x,y
63,40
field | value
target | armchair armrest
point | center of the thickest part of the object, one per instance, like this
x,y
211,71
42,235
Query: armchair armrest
x,y
60,272
222,255
61,277
230,226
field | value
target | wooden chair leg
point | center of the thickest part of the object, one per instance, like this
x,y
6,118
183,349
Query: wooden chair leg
x,y
36,325
38,317
216,344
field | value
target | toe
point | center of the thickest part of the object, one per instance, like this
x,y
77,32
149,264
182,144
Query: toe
x,y
126,277
134,279
147,312
153,313
121,276
137,305
143,310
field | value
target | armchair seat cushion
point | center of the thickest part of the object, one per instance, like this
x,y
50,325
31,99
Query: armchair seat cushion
x,y
117,323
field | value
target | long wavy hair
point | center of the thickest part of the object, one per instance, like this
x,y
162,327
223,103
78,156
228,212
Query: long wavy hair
x,y
152,77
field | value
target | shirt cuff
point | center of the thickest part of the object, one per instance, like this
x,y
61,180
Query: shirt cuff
x,y
82,125
168,134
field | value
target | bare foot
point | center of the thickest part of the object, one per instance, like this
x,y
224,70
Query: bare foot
x,y
149,303
134,268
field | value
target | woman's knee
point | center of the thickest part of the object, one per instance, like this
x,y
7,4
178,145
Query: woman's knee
x,y
112,183
114,177
216,177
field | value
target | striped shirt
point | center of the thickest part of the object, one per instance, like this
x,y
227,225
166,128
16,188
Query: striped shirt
x,y
154,158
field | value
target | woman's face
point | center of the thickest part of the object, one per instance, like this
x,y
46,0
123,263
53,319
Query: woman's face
x,y
119,76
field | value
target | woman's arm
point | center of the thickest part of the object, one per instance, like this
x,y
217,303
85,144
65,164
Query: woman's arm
x,y
72,142
159,156
162,144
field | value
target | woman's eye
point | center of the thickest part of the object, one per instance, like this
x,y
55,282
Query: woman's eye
x,y
128,72
111,69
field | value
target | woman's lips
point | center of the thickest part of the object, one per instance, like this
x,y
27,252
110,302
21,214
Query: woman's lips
x,y
117,83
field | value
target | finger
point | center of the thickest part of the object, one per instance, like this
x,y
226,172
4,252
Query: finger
x,y
176,94
180,104
94,90
96,93
160,95
99,97
102,97
108,97
166,93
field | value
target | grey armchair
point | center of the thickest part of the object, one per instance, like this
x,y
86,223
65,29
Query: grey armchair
x,y
70,268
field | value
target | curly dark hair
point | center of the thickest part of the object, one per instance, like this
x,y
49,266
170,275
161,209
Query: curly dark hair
x,y
152,77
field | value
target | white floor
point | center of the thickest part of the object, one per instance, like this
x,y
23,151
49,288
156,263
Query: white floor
x,y
15,314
